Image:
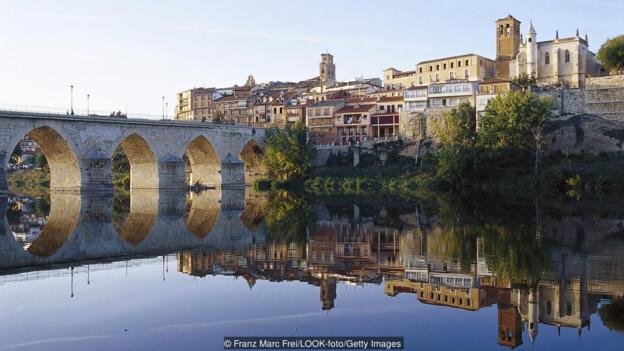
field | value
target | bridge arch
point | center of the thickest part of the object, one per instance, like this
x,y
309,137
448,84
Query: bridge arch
x,y
59,226
143,162
62,161
204,162
135,225
203,212
252,156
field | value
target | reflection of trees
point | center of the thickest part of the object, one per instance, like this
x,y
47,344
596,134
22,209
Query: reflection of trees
x,y
121,206
514,253
288,217
512,248
612,315
42,206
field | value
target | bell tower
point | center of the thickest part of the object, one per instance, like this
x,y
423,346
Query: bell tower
x,y
327,71
507,44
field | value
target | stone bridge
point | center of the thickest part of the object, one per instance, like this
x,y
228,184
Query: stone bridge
x,y
79,150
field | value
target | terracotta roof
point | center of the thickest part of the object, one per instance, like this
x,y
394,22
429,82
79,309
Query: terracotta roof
x,y
390,98
355,108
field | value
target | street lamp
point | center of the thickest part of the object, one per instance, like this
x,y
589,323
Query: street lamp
x,y
71,99
163,107
87,105
167,110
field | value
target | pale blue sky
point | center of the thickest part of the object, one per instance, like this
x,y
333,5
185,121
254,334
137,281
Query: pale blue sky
x,y
134,52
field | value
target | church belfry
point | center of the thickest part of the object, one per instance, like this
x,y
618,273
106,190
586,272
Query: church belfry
x,y
327,71
507,44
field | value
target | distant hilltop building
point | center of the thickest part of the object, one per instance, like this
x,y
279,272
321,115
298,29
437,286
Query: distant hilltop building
x,y
560,61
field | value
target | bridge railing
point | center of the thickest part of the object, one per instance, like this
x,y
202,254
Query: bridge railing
x,y
77,112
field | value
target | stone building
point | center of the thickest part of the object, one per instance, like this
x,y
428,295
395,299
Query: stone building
x,y
196,104
471,67
320,121
560,61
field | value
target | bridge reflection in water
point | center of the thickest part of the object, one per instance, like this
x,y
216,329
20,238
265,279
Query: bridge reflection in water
x,y
557,272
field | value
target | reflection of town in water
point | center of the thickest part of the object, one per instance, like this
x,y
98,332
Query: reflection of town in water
x,y
551,270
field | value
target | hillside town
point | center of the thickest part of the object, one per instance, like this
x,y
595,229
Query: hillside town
x,y
399,106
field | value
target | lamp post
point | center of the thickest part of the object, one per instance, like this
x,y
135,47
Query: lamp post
x,y
167,110
87,105
163,107
71,99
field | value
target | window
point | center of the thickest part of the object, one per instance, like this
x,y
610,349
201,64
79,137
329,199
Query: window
x,y
437,77
451,64
467,62
547,58
419,69
430,68
466,74
420,80
381,107
458,63
444,66
567,56
529,40
451,75
500,30
437,67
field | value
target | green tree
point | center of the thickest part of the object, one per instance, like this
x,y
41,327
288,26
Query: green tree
x,y
456,134
524,81
611,54
516,120
289,155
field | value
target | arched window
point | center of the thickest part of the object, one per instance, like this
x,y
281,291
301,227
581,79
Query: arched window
x,y
567,56
501,29
547,58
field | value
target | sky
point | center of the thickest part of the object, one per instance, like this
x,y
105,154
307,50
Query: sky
x,y
128,54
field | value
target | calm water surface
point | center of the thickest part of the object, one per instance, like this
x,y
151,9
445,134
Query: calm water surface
x,y
157,270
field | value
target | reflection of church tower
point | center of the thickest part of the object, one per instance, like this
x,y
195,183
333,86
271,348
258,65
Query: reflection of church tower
x,y
509,321
327,71
328,293
507,44
533,314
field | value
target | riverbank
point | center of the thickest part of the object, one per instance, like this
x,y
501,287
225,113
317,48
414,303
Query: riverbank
x,y
560,176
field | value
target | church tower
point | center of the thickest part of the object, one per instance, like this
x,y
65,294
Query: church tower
x,y
531,51
327,71
507,44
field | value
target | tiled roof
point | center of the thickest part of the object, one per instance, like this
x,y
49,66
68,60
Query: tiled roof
x,y
355,108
